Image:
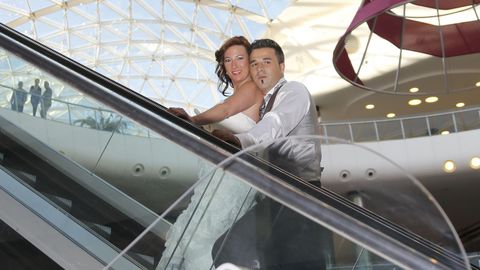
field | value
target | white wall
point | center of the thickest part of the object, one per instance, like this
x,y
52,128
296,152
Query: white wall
x,y
422,157
166,169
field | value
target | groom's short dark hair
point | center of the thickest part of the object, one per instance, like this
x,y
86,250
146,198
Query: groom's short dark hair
x,y
268,43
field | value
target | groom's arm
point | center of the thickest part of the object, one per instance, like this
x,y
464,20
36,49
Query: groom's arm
x,y
290,107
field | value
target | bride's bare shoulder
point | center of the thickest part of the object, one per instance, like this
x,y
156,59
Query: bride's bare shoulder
x,y
251,89
249,86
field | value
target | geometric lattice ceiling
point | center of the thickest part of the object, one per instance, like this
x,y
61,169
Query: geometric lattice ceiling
x,y
163,49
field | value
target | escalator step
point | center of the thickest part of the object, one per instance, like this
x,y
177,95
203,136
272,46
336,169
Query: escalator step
x,y
143,259
27,177
64,203
102,230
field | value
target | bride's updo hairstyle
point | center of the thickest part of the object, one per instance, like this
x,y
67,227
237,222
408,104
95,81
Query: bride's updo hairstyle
x,y
224,80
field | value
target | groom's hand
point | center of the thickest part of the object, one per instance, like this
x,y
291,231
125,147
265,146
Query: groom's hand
x,y
179,112
227,136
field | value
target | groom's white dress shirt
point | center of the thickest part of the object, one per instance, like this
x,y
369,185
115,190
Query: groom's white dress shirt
x,y
293,114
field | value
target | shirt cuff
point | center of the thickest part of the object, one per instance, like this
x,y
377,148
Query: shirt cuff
x,y
245,139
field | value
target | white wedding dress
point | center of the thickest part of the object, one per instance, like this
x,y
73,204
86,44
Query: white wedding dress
x,y
217,201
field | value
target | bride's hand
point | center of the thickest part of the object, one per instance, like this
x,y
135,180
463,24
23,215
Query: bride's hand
x,y
227,136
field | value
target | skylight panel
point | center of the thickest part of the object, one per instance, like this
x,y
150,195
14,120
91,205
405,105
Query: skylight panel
x,y
8,15
45,29
38,4
107,14
139,12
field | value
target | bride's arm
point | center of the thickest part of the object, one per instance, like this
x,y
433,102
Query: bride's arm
x,y
242,99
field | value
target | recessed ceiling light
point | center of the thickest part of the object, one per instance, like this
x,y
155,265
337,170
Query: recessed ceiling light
x,y
431,99
413,89
477,84
369,106
445,132
390,115
460,104
475,163
449,166
414,102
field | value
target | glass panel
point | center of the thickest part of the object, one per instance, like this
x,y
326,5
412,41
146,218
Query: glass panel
x,y
229,221
415,127
364,132
341,131
467,120
59,112
117,182
390,130
153,171
84,116
109,145
441,123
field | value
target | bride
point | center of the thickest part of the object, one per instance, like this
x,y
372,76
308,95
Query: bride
x,y
217,201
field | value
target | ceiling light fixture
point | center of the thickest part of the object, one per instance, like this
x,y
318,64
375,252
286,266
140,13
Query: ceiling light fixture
x,y
390,115
414,90
369,106
431,99
449,166
414,102
475,163
352,43
413,31
460,104
477,84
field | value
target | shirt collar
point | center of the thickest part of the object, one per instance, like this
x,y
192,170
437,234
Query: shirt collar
x,y
280,82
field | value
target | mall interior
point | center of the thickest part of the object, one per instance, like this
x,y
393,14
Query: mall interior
x,y
96,173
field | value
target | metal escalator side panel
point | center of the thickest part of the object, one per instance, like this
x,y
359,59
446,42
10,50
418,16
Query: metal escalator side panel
x,y
53,232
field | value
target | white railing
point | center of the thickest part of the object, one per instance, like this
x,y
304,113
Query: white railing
x,y
404,128
359,131
74,114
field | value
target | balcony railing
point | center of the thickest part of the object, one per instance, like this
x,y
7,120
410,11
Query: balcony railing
x,y
72,113
404,128
361,131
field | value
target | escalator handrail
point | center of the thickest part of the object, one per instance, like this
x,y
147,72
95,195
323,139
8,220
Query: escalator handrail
x,y
155,117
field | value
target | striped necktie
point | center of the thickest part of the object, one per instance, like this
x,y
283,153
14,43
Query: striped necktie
x,y
263,106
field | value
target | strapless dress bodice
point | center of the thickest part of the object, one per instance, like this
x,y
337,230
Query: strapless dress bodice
x,y
238,123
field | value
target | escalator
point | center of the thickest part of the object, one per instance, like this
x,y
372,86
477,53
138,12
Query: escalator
x,y
90,212
97,220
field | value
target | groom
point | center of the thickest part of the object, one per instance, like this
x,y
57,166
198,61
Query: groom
x,y
288,111
272,236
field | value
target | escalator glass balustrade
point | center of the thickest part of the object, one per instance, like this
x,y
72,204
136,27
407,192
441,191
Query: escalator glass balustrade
x,y
63,158
230,221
